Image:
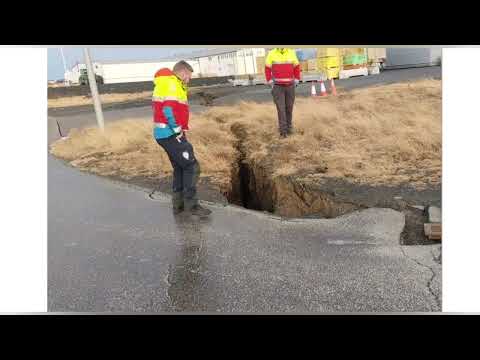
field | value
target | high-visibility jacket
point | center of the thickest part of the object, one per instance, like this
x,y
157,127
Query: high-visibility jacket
x,y
169,103
282,66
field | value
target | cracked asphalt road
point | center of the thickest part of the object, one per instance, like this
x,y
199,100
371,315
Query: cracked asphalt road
x,y
117,248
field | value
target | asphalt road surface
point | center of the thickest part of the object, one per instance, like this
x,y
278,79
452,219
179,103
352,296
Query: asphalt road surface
x,y
118,248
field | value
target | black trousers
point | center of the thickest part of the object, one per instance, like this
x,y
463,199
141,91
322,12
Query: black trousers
x,y
284,98
186,169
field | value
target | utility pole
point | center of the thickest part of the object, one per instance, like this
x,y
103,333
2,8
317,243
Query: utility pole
x,y
93,88
64,67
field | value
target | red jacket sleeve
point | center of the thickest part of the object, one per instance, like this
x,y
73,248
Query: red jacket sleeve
x,y
296,72
268,73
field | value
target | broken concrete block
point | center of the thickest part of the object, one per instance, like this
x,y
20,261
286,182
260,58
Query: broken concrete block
x,y
434,214
433,231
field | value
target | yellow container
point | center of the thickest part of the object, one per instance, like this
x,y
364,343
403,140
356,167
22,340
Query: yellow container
x,y
332,73
323,52
328,62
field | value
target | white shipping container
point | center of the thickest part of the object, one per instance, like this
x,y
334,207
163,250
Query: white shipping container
x,y
113,73
210,64
228,62
246,61
217,65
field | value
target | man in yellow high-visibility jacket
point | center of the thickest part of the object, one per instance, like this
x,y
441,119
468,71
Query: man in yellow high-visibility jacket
x,y
170,116
282,72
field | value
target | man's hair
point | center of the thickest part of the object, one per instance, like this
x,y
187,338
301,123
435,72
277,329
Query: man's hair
x,y
181,65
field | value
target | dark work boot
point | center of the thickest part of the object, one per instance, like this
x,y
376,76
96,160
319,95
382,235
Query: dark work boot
x,y
192,207
200,210
177,202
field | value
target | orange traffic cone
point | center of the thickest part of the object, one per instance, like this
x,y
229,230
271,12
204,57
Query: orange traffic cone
x,y
323,90
333,88
314,90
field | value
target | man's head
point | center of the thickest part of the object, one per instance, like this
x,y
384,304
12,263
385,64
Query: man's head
x,y
183,70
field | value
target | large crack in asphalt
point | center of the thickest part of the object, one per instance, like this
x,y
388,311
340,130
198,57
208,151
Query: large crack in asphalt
x,y
429,283
253,187
241,174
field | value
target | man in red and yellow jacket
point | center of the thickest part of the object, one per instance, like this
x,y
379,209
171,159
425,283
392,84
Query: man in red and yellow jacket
x,y
282,72
170,117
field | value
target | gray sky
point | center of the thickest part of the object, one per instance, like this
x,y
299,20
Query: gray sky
x,y
73,55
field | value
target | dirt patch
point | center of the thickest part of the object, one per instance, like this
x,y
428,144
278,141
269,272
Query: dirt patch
x,y
363,148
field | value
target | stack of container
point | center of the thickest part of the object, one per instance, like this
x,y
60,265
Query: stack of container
x,y
329,62
354,58
354,63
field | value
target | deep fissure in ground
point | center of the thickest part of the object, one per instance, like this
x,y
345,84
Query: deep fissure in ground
x,y
242,192
254,187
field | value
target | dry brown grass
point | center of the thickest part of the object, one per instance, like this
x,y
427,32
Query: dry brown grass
x,y
105,98
127,149
384,134
380,135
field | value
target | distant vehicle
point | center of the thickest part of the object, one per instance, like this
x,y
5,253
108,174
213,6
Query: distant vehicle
x,y
83,79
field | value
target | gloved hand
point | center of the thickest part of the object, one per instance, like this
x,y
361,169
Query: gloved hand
x,y
179,132
296,82
270,83
179,137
